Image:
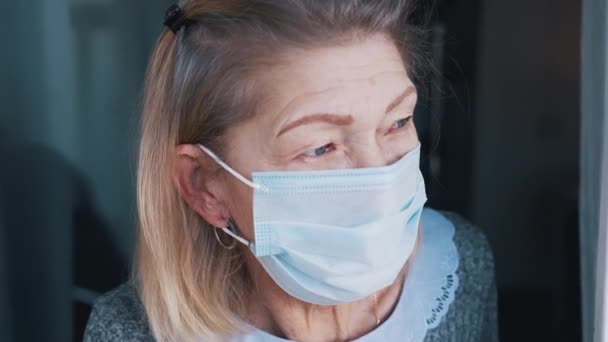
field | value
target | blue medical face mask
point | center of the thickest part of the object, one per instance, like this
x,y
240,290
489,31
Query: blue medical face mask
x,y
335,236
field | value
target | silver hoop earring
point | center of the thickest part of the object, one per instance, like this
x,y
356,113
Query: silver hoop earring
x,y
222,243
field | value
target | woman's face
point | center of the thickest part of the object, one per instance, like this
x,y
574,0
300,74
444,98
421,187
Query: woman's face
x,y
332,108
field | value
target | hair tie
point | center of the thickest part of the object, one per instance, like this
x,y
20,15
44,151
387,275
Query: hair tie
x,y
174,18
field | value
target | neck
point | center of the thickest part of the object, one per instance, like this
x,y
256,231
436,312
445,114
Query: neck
x,y
289,318
275,312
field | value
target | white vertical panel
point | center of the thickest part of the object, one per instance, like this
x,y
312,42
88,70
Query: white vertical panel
x,y
601,290
593,96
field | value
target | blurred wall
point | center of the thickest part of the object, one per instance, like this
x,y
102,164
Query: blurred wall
x,y
70,83
525,159
526,132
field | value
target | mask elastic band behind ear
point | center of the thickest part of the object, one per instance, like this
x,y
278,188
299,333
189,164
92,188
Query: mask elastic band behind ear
x,y
238,238
229,169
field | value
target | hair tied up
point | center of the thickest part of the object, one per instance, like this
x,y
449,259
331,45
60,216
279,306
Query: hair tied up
x,y
174,18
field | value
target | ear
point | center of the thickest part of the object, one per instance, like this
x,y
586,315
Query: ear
x,y
196,183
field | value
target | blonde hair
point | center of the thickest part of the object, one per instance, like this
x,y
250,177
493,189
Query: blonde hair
x,y
199,81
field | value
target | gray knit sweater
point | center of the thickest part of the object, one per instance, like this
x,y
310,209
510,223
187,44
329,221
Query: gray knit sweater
x,y
119,314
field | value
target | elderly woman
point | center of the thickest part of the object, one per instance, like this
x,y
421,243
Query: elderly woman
x,y
279,190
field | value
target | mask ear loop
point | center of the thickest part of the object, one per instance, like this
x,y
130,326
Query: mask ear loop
x,y
231,170
222,243
232,232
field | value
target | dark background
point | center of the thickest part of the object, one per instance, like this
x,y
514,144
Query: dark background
x,y
499,126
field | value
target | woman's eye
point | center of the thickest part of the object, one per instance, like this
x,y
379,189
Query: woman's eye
x,y
319,151
400,123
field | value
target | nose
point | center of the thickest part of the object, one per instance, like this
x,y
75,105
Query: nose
x,y
370,155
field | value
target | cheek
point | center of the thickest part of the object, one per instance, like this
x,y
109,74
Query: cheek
x,y
239,200
411,141
402,142
413,136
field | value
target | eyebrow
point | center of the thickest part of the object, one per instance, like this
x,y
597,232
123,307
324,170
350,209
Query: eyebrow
x,y
399,99
341,120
